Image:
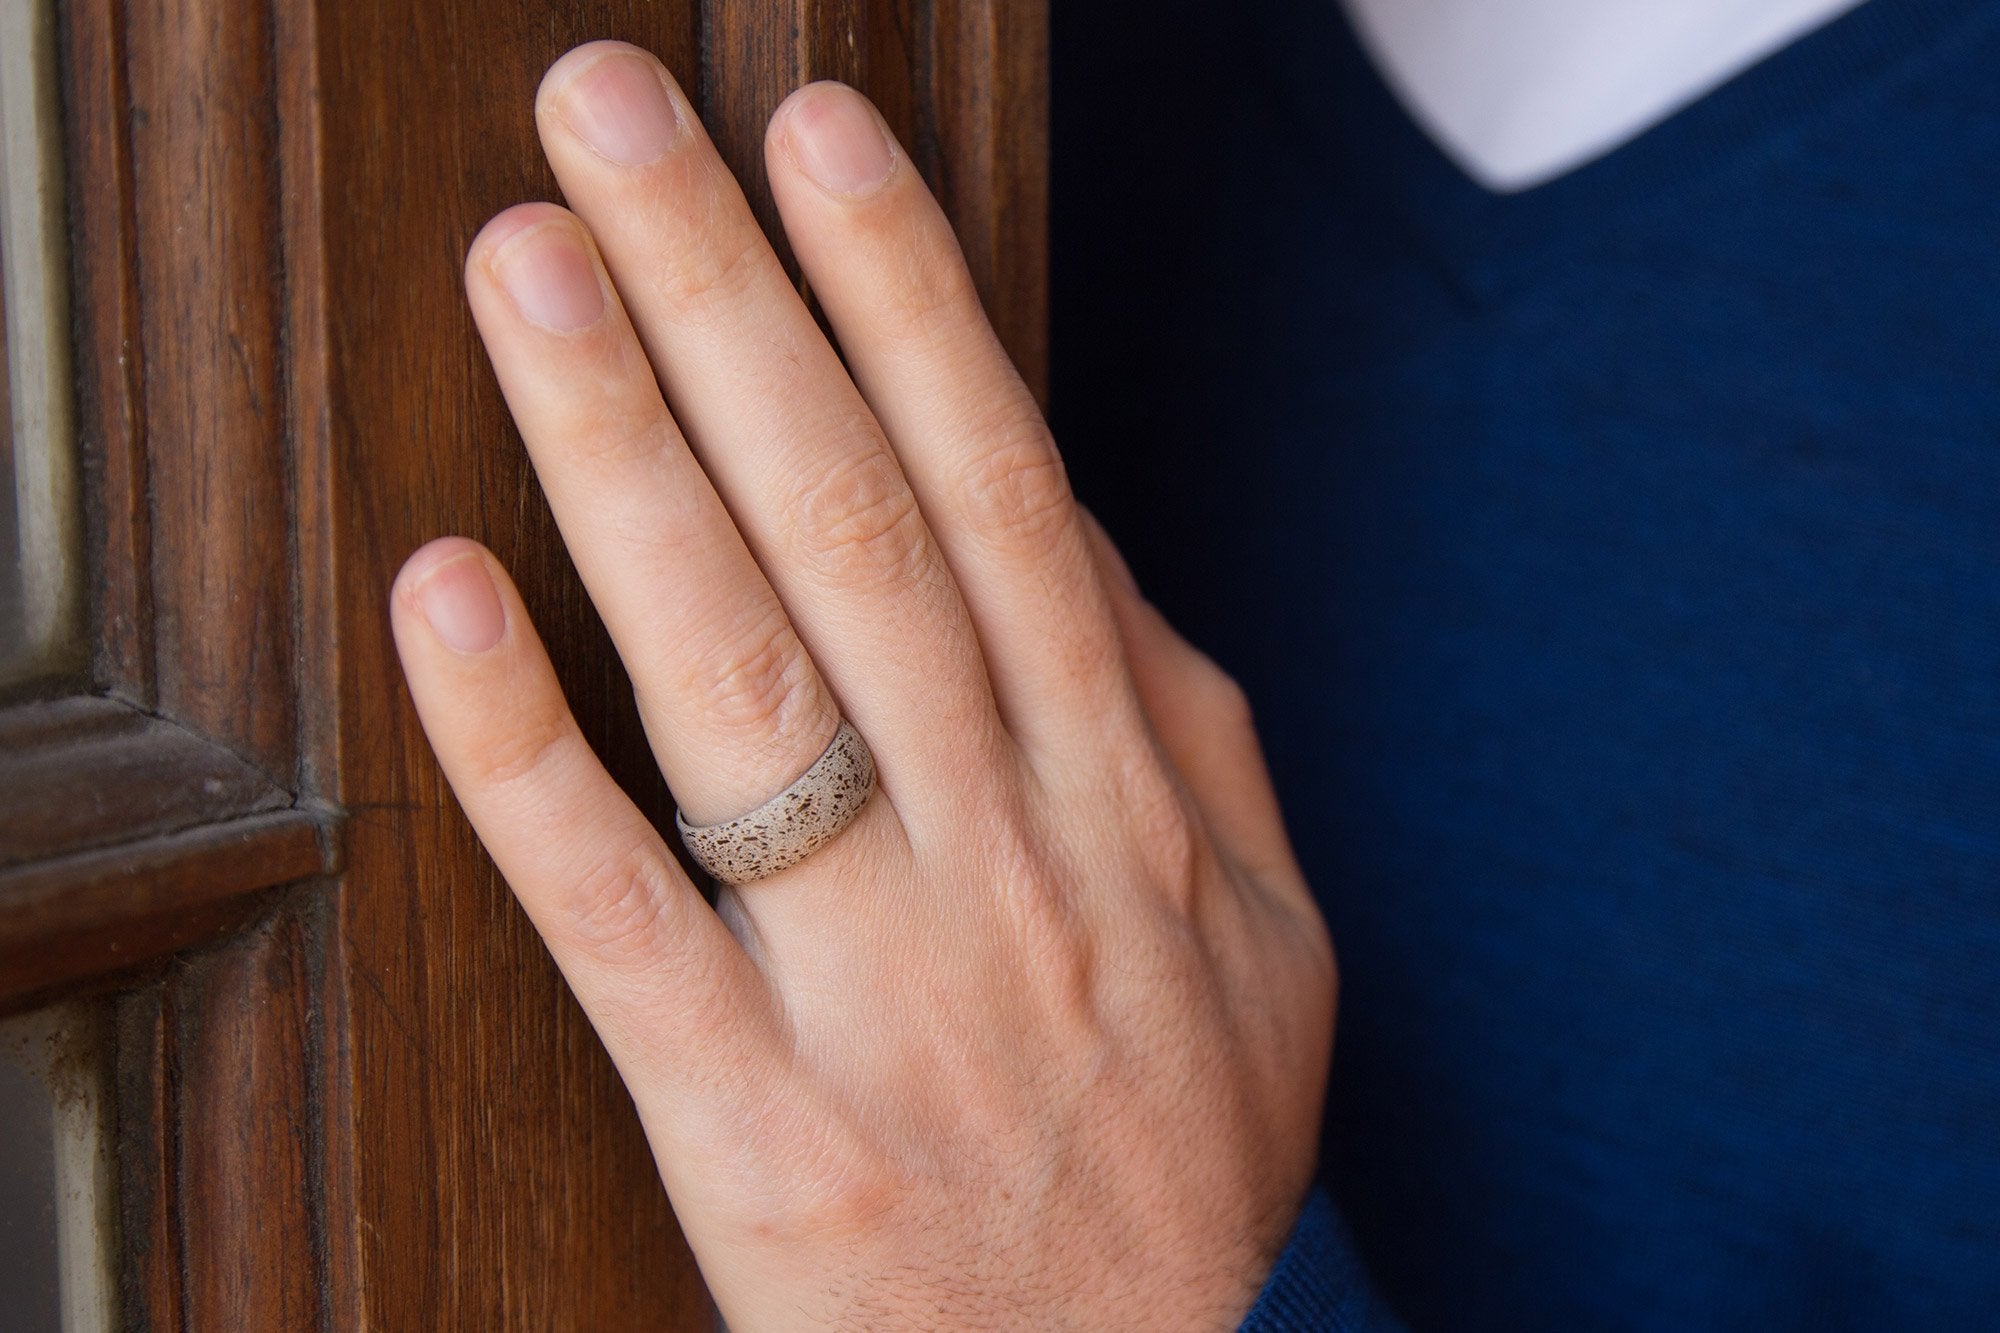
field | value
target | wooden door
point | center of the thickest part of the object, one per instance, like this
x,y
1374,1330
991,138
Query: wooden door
x,y
348,1087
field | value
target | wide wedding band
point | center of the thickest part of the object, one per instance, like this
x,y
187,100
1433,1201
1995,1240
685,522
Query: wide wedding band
x,y
795,823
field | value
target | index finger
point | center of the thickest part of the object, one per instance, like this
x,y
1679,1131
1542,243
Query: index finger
x,y
666,985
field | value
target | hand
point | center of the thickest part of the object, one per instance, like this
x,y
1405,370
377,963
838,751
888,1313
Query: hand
x,y
1040,1039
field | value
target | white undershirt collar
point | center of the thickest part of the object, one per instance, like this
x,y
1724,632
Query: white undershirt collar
x,y
1518,93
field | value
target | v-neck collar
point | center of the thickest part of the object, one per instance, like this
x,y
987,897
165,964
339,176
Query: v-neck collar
x,y
1525,92
1489,242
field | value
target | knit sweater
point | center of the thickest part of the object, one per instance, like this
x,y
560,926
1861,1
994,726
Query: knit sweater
x,y
1615,570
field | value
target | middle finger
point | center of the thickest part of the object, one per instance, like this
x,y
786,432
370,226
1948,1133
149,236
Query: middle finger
x,y
764,401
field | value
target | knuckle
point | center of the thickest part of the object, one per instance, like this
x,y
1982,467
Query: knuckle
x,y
719,272
933,298
618,438
1165,827
1017,493
839,1183
614,910
858,521
851,1202
757,683
524,748
1226,700
1054,938
1160,826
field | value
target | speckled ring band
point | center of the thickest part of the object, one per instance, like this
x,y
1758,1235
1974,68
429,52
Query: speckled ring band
x,y
795,823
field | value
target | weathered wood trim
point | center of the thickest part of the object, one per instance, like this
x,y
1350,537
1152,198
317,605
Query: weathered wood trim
x,y
206,179
109,354
87,919
84,773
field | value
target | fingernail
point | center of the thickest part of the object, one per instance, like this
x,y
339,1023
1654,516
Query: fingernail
x,y
837,141
461,605
549,274
619,106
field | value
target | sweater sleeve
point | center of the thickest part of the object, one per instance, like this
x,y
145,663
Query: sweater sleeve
x,y
1318,1285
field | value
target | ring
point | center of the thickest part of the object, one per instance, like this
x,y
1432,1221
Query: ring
x,y
795,823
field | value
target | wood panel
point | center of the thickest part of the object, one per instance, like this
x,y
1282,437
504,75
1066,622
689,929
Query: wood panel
x,y
152,818
91,917
499,1178
126,835
206,178
93,771
753,53
146,1152
243,1086
110,360
964,85
220,1136
989,93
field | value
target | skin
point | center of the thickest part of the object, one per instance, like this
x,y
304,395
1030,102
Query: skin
x,y
1041,1039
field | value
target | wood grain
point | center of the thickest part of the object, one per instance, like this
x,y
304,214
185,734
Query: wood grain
x,y
753,54
205,183
246,1128
989,87
147,1152
220,1129
92,917
110,359
499,1178
962,83
446,994
92,772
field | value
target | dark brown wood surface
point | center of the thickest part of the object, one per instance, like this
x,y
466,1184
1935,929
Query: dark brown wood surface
x,y
110,362
89,918
223,1189
499,1177
964,85
97,770
245,1024
357,1092
206,180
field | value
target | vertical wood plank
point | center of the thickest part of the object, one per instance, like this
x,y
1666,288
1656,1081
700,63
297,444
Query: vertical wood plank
x,y
331,1157
990,88
750,49
147,1151
964,84
110,362
896,74
753,54
494,1173
498,1176
245,1109
204,156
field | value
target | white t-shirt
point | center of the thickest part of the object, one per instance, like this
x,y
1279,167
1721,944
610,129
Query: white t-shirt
x,y
1518,92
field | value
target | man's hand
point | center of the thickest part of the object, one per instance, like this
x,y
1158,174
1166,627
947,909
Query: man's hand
x,y
1040,1039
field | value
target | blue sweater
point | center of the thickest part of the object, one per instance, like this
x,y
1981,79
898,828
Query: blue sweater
x,y
1616,571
